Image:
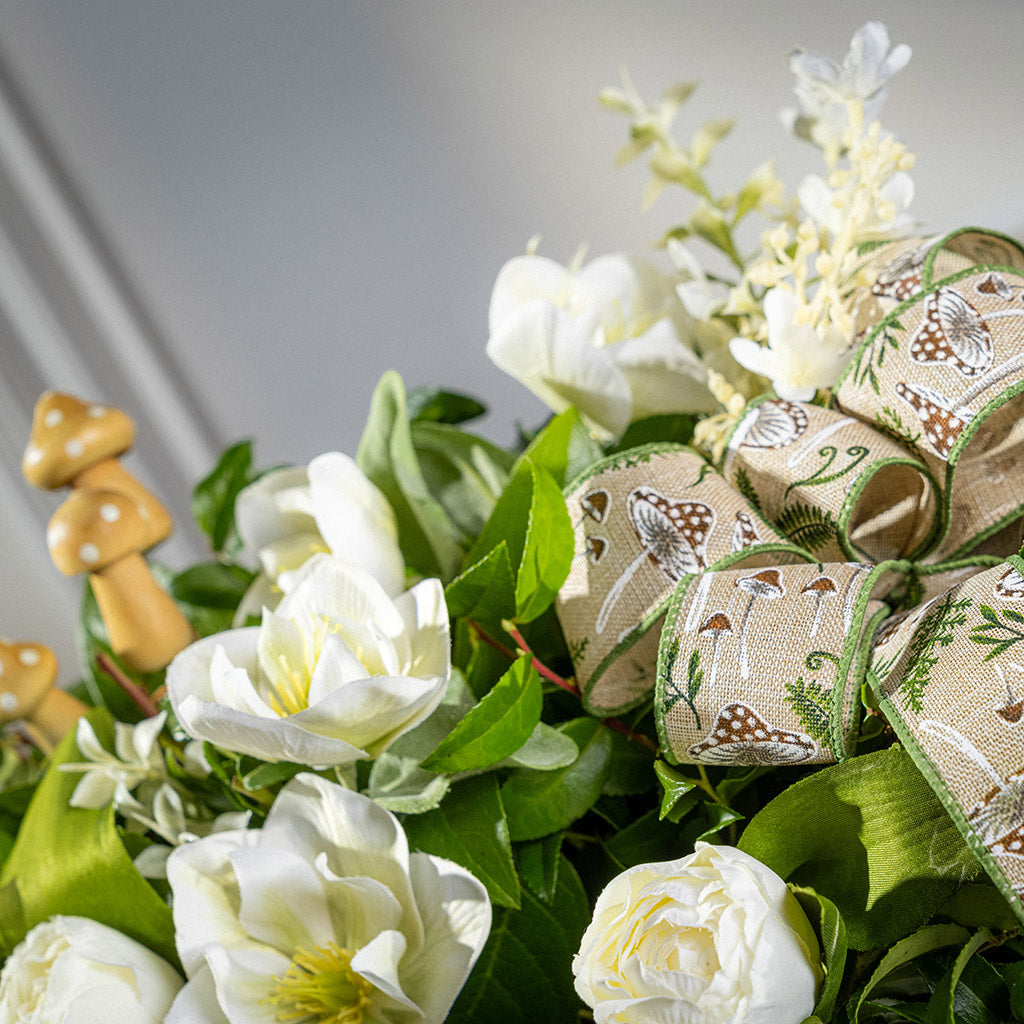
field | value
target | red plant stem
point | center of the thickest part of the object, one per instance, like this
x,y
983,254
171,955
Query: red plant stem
x,y
612,723
138,695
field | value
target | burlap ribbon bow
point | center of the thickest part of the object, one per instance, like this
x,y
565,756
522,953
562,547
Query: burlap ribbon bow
x,y
748,603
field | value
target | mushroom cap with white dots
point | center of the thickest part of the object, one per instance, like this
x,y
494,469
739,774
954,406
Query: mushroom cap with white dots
x,y
68,436
28,671
93,528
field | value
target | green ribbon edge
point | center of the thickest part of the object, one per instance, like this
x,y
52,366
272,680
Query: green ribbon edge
x,y
942,790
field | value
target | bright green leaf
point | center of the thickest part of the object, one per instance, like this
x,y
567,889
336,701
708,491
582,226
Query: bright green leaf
x,y
547,554
486,591
69,860
869,834
538,803
564,447
497,727
545,750
677,789
831,931
470,828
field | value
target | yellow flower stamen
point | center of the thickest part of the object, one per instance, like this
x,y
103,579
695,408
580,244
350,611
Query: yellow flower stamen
x,y
320,987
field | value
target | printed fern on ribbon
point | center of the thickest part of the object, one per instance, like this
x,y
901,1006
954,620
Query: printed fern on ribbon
x,y
746,488
998,634
872,356
937,629
694,678
890,423
809,701
807,525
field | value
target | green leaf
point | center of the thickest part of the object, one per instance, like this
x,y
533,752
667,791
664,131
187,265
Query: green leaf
x,y
524,973
209,593
486,591
470,828
265,775
538,861
870,835
924,940
69,860
545,750
497,727
831,931
675,427
532,518
631,768
538,803
213,498
981,905
426,535
464,473
564,447
433,405
940,1006
679,792
645,840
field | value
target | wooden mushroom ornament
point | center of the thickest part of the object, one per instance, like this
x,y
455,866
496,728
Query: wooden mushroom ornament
x,y
104,532
29,694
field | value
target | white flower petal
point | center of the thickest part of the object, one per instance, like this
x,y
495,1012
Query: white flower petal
x,y
526,279
378,962
266,513
197,1001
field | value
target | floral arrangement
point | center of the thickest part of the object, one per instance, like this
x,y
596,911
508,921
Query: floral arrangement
x,y
699,703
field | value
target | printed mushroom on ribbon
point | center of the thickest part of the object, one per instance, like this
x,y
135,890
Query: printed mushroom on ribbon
x,y
819,588
766,584
716,625
673,535
741,736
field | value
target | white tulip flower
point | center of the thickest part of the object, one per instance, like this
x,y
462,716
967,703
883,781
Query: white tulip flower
x,y
711,938
606,338
288,515
797,359
335,674
77,971
323,914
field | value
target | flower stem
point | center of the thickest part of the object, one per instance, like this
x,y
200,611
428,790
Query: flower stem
x,y
142,700
551,677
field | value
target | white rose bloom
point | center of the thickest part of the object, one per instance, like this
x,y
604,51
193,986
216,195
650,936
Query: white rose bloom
x,y
711,938
336,674
606,338
322,915
73,970
288,515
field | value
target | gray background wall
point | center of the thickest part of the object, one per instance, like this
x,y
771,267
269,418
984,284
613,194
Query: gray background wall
x,y
268,204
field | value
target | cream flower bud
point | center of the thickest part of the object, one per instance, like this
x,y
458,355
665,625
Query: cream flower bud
x,y
710,938
77,971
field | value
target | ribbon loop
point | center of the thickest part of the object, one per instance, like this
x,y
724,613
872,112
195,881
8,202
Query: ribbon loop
x,y
968,741
643,520
832,484
765,667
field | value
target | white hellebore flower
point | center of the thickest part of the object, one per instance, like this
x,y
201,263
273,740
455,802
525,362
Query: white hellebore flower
x,y
335,674
73,970
711,938
288,515
606,338
797,359
322,915
824,88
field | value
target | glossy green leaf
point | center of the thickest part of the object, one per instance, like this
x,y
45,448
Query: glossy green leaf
x,y
679,793
676,428
435,405
870,835
538,803
426,535
564,447
209,593
213,498
831,931
538,862
497,727
69,860
486,591
470,828
524,974
632,768
545,750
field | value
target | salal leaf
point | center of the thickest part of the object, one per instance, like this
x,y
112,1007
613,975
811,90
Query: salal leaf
x,y
871,835
538,862
426,534
831,931
434,405
497,727
70,860
524,973
631,768
209,593
213,498
564,447
538,803
486,591
675,427
545,750
465,473
679,793
470,828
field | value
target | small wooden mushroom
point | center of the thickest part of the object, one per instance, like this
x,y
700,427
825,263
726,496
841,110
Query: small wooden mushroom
x,y
28,694
77,444
103,533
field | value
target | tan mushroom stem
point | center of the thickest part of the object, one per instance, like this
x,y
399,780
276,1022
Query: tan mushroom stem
x,y
146,627
112,476
28,694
